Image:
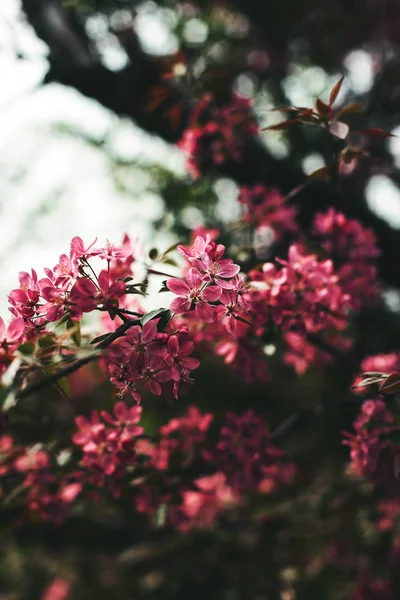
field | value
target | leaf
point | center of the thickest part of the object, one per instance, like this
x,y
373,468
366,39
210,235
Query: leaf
x,y
131,289
165,320
318,175
339,129
153,253
282,125
153,314
391,385
63,386
168,261
242,320
335,91
47,340
377,132
350,109
74,329
323,109
170,249
370,378
100,338
27,349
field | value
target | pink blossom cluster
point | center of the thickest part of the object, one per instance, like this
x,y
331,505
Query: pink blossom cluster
x,y
70,287
44,491
216,134
369,588
246,455
242,351
192,501
303,295
147,359
354,252
212,285
108,444
301,354
181,437
267,207
242,460
372,447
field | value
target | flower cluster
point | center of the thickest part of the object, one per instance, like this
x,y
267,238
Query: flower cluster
x,y
354,252
301,354
69,288
246,455
108,444
147,359
181,437
212,285
369,588
266,207
303,295
44,491
372,448
216,135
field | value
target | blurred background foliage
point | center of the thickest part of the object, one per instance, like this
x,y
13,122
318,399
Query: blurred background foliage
x,y
94,95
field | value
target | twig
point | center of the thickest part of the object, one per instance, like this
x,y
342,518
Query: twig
x,y
284,426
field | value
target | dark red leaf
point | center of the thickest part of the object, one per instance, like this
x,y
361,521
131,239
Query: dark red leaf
x,y
377,132
324,109
335,91
391,385
282,125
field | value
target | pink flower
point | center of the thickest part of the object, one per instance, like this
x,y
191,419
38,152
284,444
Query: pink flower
x,y
194,291
178,357
111,251
153,372
86,296
78,250
59,589
245,454
11,337
200,508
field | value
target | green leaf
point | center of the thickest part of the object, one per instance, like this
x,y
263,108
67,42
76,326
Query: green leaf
x,y
63,386
153,253
165,320
100,338
75,332
242,320
131,289
168,261
47,340
152,315
170,249
63,319
27,349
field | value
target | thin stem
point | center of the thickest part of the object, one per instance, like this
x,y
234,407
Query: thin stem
x,y
284,426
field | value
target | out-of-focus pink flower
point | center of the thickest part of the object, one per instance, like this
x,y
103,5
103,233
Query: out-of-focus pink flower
x,y
59,589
